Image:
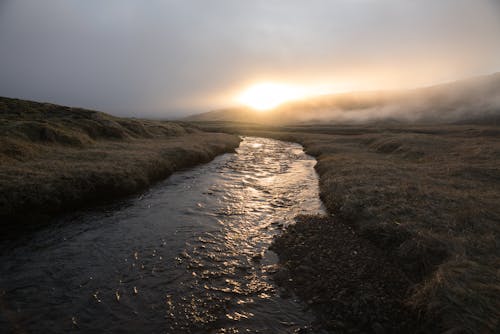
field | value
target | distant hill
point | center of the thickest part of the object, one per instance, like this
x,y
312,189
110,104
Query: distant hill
x,y
35,122
474,100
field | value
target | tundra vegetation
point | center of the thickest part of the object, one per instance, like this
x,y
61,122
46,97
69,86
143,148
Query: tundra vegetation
x,y
55,158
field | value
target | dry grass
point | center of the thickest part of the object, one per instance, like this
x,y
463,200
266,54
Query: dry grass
x,y
429,197
54,158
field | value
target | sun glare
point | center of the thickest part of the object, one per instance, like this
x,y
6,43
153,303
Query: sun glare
x,y
266,96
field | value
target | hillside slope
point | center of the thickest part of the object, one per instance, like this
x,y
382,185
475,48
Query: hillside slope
x,y
54,158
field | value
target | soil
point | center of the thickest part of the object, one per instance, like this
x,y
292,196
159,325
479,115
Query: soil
x,y
347,281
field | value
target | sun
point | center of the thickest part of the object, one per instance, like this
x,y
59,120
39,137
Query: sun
x,y
266,96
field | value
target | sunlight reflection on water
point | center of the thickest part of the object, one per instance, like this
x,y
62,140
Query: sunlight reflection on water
x,y
191,255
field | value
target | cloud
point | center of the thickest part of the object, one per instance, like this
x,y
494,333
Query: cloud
x,y
163,58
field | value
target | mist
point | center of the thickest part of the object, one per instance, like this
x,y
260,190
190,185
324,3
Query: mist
x,y
475,100
166,59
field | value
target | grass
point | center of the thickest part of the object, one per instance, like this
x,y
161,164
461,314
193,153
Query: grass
x,y
428,197
55,158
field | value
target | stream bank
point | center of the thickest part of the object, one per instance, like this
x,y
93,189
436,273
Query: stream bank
x,y
346,280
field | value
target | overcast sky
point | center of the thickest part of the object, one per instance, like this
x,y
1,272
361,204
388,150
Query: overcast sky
x,y
160,58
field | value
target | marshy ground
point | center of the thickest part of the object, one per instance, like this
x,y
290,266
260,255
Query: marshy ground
x,y
426,196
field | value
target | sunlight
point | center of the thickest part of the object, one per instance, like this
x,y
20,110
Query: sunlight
x,y
266,96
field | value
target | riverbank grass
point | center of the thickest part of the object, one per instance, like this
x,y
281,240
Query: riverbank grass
x,y
55,158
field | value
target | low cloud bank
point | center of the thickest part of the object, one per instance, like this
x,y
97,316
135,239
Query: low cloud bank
x,y
475,100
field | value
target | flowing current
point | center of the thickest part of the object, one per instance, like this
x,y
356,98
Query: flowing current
x,y
188,256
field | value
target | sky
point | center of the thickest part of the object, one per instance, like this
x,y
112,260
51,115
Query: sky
x,y
165,59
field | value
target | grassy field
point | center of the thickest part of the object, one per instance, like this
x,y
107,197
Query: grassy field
x,y
428,197
55,158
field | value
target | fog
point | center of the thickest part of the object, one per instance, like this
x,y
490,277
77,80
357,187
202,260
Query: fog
x,y
475,100
172,58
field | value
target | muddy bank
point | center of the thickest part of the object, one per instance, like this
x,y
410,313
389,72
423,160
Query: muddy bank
x,y
350,283
55,158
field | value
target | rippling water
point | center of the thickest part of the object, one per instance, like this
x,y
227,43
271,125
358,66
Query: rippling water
x,y
188,256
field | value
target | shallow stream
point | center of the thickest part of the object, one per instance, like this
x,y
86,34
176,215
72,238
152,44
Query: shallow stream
x,y
190,255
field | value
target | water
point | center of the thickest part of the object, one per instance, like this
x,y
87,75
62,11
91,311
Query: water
x,y
188,256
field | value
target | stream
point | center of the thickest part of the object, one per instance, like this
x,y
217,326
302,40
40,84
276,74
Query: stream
x,y
189,255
